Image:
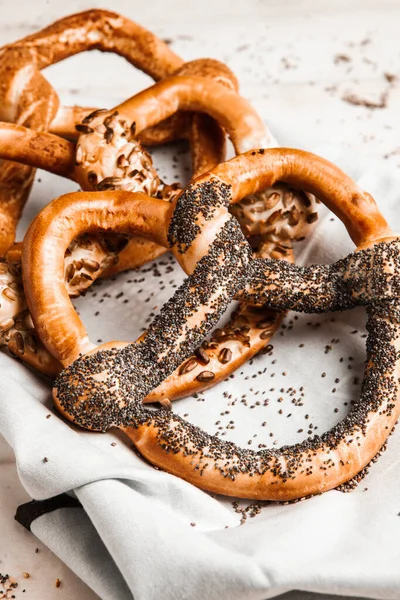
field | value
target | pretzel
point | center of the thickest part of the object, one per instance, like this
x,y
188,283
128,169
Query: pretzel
x,y
248,331
102,387
26,98
284,215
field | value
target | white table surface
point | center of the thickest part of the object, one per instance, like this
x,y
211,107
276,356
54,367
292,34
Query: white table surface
x,y
296,61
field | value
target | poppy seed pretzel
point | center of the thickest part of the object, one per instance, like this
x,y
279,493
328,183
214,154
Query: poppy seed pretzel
x,y
102,387
26,98
248,331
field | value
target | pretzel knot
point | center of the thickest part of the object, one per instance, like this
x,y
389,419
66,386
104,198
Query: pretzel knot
x,y
102,387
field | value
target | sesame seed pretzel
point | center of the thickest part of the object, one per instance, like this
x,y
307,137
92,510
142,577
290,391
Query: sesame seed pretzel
x,y
103,149
26,97
102,387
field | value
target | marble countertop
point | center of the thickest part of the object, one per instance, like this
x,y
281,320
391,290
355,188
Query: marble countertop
x,y
324,68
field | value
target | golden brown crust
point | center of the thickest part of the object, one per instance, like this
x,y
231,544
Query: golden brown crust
x,y
26,98
179,126
206,136
37,149
50,235
98,30
36,106
199,94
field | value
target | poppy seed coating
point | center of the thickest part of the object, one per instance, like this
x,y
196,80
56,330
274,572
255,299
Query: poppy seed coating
x,y
368,276
197,200
364,277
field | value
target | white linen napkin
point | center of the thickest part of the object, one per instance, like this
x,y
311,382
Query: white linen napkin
x,y
149,535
